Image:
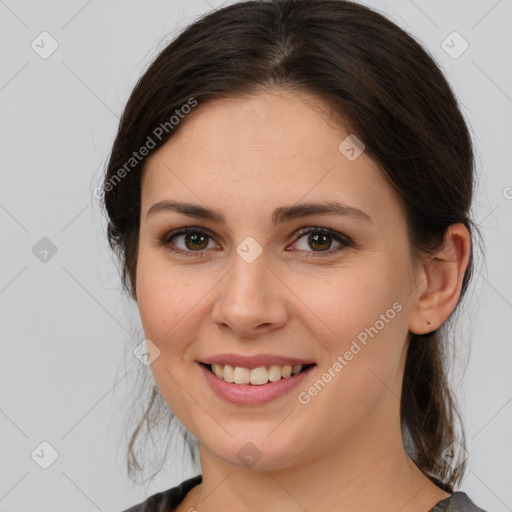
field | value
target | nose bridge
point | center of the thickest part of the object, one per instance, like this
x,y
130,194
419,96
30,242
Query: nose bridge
x,y
248,276
248,297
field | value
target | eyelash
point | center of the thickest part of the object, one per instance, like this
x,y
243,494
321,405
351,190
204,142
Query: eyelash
x,y
343,240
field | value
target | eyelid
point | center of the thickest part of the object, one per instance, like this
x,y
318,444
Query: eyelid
x,y
342,239
165,240
322,230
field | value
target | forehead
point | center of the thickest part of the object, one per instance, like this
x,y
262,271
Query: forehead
x,y
267,149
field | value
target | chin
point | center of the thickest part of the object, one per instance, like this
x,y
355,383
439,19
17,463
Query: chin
x,y
257,452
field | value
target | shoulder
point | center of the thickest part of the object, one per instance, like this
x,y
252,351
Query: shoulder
x,y
458,502
167,500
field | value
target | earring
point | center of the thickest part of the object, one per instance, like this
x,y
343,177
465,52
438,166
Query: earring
x,y
429,327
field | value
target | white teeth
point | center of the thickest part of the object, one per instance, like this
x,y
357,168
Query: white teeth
x,y
286,371
274,373
218,369
296,369
259,376
229,373
241,375
255,376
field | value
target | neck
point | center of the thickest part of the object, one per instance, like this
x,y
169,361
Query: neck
x,y
370,471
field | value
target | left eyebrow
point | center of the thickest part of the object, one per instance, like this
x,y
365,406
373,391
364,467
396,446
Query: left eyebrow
x,y
286,213
279,215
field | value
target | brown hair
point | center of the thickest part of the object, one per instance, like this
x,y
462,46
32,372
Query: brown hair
x,y
388,91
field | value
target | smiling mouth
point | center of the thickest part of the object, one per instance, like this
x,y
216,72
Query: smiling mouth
x,y
256,376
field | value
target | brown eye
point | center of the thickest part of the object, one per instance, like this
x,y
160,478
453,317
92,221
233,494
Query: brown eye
x,y
197,241
321,240
193,241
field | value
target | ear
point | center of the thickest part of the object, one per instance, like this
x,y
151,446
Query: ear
x,y
439,281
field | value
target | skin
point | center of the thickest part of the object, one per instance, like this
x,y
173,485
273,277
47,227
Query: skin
x,y
343,451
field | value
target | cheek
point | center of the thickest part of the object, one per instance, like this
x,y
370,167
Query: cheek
x,y
361,359
360,318
353,300
165,298
170,311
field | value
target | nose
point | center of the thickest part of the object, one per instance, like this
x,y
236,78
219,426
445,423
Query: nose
x,y
251,299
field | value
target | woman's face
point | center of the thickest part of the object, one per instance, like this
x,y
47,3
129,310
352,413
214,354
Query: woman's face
x,y
264,283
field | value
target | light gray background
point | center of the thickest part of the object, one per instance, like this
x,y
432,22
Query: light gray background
x,y
64,375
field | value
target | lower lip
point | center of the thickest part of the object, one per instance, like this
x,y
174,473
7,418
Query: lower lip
x,y
249,394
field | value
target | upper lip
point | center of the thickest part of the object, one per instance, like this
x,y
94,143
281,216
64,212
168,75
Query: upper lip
x,y
254,361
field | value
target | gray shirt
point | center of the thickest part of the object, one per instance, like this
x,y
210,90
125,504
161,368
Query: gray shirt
x,y
168,500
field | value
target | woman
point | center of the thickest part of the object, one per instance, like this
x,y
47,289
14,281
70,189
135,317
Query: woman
x,y
289,194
